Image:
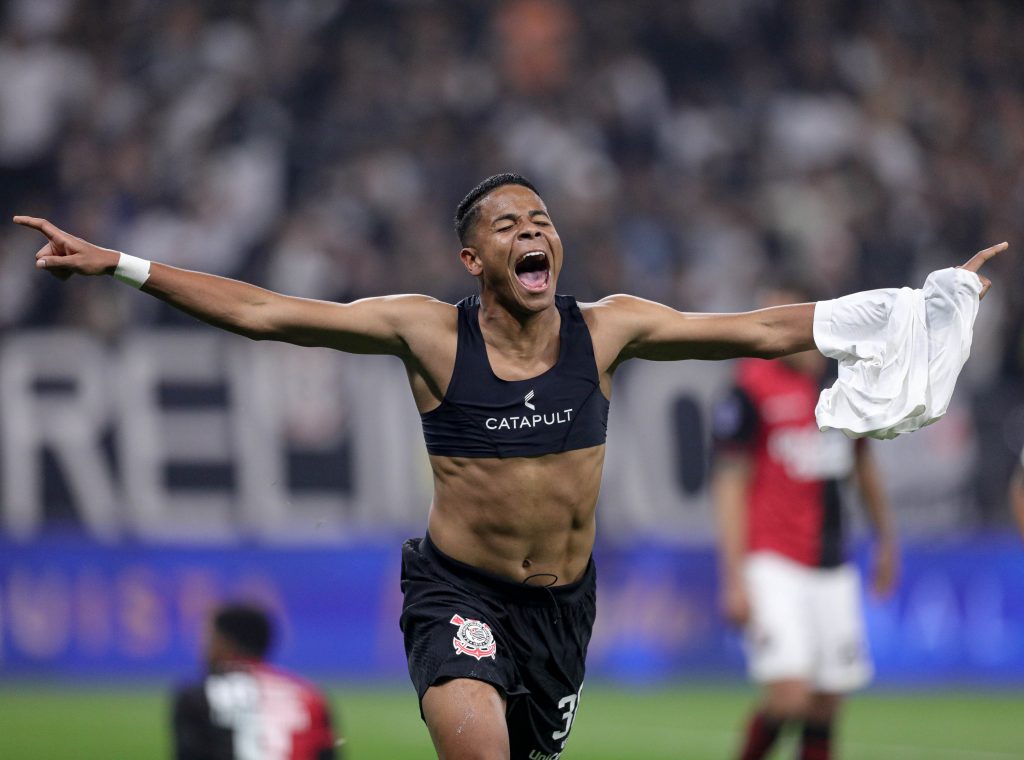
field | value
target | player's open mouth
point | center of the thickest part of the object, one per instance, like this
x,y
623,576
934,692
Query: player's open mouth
x,y
534,271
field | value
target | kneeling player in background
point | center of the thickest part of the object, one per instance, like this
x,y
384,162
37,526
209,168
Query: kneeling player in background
x,y
784,578
245,709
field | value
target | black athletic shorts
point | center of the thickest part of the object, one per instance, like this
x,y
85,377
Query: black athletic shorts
x,y
528,641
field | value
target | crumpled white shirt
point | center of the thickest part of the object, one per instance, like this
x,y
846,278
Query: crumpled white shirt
x,y
900,352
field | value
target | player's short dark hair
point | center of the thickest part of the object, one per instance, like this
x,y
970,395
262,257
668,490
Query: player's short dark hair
x,y
246,626
469,209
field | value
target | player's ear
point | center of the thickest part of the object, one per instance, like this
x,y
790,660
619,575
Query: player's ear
x,y
471,260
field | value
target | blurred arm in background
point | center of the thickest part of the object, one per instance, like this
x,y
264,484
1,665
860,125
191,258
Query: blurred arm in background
x,y
729,484
1016,494
885,566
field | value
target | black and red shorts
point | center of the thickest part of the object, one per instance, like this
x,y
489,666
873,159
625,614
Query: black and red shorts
x,y
530,642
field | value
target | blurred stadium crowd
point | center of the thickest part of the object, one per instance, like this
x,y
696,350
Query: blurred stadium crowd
x,y
686,150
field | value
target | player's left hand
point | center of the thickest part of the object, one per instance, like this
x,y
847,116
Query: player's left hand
x,y
975,262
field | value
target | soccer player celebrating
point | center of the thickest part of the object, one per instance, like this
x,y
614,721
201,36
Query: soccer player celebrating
x,y
784,579
513,387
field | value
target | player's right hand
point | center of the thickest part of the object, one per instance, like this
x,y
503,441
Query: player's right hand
x,y
65,255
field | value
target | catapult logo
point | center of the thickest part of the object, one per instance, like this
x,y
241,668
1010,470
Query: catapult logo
x,y
523,421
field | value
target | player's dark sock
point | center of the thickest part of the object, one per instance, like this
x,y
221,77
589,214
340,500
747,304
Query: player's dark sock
x,y
762,731
816,741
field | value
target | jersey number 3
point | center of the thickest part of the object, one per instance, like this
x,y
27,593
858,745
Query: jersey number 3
x,y
570,704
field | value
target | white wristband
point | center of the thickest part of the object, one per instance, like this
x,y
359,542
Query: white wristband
x,y
132,270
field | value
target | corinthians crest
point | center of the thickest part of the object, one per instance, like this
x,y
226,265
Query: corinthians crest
x,y
473,638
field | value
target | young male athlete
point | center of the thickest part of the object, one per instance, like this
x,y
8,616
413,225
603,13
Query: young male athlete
x,y
776,485
245,709
513,387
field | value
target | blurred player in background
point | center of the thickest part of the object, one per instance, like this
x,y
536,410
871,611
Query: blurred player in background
x,y
776,488
245,709
1016,495
513,389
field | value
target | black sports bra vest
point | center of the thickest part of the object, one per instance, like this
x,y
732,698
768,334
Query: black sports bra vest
x,y
484,416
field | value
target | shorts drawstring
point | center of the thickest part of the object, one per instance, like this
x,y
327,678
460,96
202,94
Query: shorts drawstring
x,y
547,587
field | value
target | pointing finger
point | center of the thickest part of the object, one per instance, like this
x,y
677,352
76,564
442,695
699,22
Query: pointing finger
x,y
43,225
982,256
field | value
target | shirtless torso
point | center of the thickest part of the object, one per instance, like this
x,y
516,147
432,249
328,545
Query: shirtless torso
x,y
513,517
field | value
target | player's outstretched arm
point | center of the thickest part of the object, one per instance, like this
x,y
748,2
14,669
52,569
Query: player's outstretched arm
x,y
373,325
647,330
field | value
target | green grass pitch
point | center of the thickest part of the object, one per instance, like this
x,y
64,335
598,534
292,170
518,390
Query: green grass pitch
x,y
693,723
